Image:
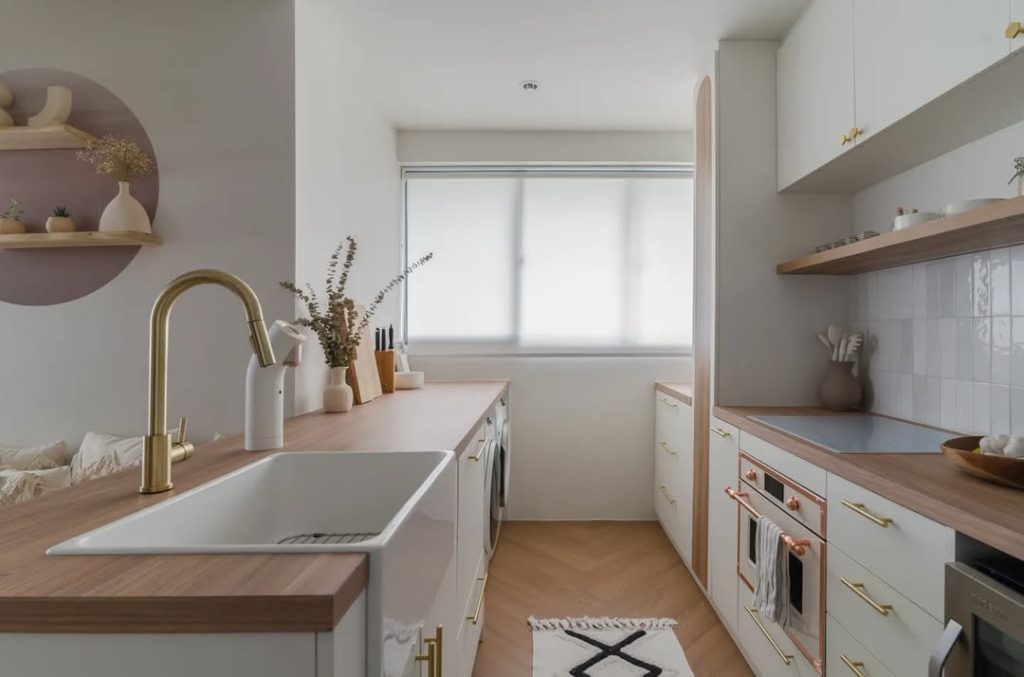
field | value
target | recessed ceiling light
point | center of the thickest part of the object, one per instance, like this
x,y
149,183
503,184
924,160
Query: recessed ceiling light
x,y
529,85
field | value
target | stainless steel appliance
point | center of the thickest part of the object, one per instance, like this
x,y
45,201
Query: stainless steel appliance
x,y
861,433
984,634
801,515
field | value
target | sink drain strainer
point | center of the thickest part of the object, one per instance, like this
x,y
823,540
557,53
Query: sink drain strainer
x,y
328,539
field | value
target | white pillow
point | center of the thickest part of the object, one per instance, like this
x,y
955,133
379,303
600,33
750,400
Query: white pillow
x,y
42,457
103,454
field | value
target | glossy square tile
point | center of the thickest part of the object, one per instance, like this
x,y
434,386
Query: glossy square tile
x,y
964,406
1000,281
982,409
933,289
905,363
905,402
999,397
948,339
982,295
1017,352
934,407
1001,355
962,286
921,290
920,398
946,288
947,404
1017,411
920,339
1017,280
933,363
965,348
981,351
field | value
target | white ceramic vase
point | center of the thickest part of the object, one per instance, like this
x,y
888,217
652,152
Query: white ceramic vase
x,y
338,395
125,213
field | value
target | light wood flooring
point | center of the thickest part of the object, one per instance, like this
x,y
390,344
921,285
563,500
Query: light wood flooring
x,y
551,569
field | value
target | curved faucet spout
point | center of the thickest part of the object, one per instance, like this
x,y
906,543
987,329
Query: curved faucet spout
x,y
159,449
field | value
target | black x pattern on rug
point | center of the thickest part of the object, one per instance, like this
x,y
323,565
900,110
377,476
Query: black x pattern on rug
x,y
610,650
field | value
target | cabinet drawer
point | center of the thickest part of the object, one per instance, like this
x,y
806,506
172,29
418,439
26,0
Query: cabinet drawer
x,y
846,656
472,622
796,469
670,420
906,550
471,515
899,633
767,646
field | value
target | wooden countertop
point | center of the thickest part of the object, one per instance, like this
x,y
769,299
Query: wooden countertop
x,y
680,391
925,483
213,593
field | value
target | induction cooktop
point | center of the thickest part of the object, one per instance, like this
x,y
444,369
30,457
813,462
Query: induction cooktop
x,y
861,434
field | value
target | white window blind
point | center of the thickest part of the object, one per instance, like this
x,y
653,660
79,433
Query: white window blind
x,y
550,259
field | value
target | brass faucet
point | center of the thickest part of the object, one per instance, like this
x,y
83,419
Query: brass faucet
x,y
159,450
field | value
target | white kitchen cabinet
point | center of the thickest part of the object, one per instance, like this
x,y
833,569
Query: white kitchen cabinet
x,y
673,471
766,645
723,462
908,52
815,76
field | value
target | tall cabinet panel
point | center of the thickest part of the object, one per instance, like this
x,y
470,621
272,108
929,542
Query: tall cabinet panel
x,y
815,89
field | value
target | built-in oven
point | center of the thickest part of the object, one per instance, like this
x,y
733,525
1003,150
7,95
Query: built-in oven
x,y
801,515
984,635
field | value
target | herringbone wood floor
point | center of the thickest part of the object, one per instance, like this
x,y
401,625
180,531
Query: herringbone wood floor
x,y
626,569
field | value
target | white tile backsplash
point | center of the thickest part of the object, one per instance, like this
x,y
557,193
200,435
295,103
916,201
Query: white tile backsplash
x,y
999,281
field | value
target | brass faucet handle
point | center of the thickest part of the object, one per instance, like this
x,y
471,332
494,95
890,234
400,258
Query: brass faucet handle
x,y
181,449
182,428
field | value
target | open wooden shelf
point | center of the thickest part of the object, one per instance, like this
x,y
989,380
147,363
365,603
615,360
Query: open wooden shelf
x,y
43,138
90,238
996,225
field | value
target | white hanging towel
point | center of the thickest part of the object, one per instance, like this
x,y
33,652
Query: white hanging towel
x,y
771,597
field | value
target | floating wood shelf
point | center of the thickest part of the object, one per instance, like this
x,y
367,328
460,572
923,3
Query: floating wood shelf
x,y
996,225
43,138
89,238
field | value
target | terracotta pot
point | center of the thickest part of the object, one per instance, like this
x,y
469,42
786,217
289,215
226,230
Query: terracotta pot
x,y
840,390
60,224
338,395
11,227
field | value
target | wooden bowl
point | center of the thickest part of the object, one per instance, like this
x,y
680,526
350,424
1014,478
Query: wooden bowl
x,y
999,469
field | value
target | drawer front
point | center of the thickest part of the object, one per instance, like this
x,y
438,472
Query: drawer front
x,y
906,550
846,656
796,469
766,646
670,419
899,633
471,515
722,521
796,500
472,622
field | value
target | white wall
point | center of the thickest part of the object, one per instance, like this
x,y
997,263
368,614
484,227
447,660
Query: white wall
x,y
766,350
543,146
348,180
212,83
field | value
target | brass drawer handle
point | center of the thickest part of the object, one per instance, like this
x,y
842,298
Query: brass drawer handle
x,y
858,589
667,403
1014,29
664,492
720,432
475,618
435,654
667,448
786,658
859,508
480,453
855,666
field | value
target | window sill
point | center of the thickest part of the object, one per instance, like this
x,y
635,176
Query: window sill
x,y
450,350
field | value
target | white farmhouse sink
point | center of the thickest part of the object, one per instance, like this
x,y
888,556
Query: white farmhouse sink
x,y
399,507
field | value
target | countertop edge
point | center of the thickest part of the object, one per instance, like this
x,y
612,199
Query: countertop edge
x,y
681,391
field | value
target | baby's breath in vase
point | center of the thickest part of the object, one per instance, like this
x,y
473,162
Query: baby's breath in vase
x,y
123,159
1018,167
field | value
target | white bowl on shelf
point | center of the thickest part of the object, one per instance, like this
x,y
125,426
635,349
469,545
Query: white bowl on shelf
x,y
907,220
968,205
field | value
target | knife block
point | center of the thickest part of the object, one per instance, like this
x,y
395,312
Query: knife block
x,y
386,369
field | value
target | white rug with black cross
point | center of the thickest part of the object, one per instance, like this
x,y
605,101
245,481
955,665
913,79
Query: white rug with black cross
x,y
607,647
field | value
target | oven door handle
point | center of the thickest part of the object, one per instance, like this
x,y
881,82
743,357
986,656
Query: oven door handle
x,y
943,648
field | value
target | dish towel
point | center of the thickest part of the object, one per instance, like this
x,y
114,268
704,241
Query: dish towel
x,y
607,647
771,597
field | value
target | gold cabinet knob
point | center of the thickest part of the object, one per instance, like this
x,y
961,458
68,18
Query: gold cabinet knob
x,y
1014,29
844,139
855,132
751,475
793,503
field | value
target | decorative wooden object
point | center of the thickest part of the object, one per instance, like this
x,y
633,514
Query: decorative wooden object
x,y
999,469
79,239
386,369
997,225
362,372
43,138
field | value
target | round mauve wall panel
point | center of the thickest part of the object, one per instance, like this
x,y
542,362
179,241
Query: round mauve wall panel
x,y
43,179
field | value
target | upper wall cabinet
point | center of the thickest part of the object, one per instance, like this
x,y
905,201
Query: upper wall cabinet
x,y
919,78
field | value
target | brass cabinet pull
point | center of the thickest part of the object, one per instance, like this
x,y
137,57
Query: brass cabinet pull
x,y
1014,29
720,432
855,666
667,448
855,132
858,589
480,453
844,139
434,656
859,508
786,658
667,403
475,618
668,496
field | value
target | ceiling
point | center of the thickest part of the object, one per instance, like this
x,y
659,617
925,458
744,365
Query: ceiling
x,y
601,64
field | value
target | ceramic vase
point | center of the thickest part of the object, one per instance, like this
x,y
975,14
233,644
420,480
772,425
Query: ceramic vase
x,y
840,390
125,213
11,227
60,224
338,395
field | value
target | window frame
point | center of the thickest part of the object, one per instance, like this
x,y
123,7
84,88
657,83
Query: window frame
x,y
511,347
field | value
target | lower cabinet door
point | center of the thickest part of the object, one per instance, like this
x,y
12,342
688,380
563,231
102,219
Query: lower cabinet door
x,y
723,515
844,655
471,630
768,648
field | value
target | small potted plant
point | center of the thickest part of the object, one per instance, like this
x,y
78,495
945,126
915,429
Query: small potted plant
x,y
123,159
1018,174
60,222
10,221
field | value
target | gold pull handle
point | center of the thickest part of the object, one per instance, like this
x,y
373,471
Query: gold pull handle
x,y
475,618
668,496
751,474
855,132
434,657
855,666
844,139
667,403
858,589
786,658
720,432
859,508
793,503
667,448
480,453
1014,29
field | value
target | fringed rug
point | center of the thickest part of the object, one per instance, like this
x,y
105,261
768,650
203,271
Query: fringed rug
x,y
607,647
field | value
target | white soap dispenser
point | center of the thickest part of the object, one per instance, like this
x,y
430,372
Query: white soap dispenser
x,y
264,389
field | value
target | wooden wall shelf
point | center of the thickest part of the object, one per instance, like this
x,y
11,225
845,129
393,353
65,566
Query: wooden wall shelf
x,y
997,225
43,138
90,238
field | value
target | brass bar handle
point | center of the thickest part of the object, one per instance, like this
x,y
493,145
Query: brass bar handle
x,y
1014,29
667,448
844,139
858,589
480,453
884,522
786,658
668,496
855,666
798,546
475,618
435,654
720,432
667,403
